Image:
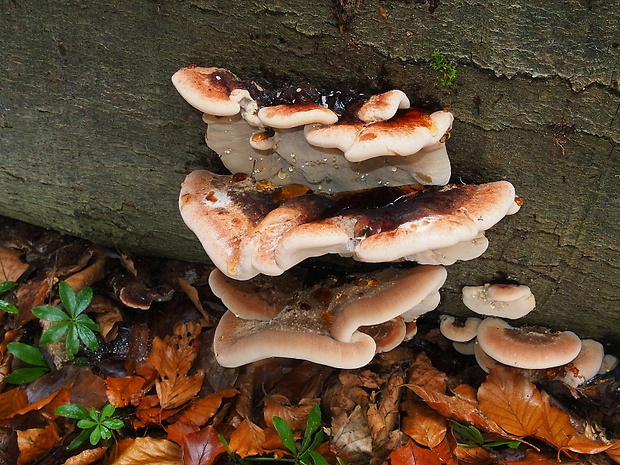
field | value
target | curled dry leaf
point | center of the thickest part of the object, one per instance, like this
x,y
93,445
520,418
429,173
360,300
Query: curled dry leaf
x,y
175,392
205,408
279,406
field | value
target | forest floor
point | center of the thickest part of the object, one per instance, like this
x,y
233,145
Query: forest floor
x,y
149,390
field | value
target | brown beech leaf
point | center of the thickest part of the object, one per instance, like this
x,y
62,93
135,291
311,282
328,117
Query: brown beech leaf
x,y
173,393
614,451
11,266
423,424
512,402
125,390
412,454
36,442
202,447
142,451
557,428
351,433
48,404
473,455
458,408
422,373
277,405
247,439
174,355
86,457
89,275
12,401
204,408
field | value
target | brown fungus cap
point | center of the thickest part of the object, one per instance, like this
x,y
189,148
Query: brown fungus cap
x,y
371,130
324,322
525,347
510,301
246,231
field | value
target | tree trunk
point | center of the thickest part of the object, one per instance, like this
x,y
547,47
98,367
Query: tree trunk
x,y
95,141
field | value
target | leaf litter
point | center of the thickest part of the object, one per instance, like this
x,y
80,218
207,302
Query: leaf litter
x,y
417,404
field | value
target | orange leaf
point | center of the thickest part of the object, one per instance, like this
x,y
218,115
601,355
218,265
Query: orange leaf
x,y
584,445
410,454
512,402
202,447
203,409
473,455
424,425
36,442
125,390
277,405
11,266
614,451
247,439
12,401
458,408
147,450
557,428
87,456
173,393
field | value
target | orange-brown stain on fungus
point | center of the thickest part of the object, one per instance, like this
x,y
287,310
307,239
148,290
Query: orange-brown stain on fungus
x,y
210,197
238,177
327,318
519,201
324,296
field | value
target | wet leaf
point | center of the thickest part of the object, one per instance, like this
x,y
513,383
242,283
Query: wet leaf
x,y
202,447
512,402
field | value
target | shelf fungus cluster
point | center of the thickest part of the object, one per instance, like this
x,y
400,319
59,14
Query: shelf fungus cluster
x,y
332,143
364,177
495,342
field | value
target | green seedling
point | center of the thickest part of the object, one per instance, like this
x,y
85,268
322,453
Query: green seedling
x,y
96,425
5,306
32,356
303,453
446,68
473,437
70,322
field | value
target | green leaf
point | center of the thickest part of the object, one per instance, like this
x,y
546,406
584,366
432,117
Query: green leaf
x,y
113,423
86,423
54,333
312,425
79,440
318,459
84,320
82,300
25,375
107,411
87,337
67,296
8,307
95,436
49,313
7,286
105,432
72,343
286,434
27,353
75,411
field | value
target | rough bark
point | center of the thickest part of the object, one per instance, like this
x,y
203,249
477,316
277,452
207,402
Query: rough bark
x,y
94,140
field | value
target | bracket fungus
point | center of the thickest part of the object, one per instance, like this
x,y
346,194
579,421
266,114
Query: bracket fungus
x,y
526,347
333,322
247,228
510,301
334,142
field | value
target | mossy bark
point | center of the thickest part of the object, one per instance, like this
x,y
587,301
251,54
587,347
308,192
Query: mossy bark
x,y
95,141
